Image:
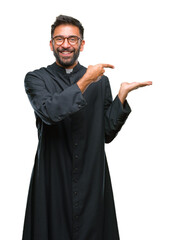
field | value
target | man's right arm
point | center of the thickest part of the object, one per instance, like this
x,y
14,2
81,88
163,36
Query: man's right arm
x,y
52,108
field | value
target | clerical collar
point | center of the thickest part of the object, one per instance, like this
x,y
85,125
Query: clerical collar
x,y
68,71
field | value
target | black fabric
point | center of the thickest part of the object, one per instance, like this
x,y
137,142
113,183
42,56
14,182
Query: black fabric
x,y
70,194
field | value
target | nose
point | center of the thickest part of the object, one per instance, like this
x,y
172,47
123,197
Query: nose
x,y
65,44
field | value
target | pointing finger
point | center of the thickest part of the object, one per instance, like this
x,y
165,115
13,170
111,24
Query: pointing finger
x,y
107,65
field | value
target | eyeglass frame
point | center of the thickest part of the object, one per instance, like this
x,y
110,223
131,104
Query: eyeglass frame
x,y
67,39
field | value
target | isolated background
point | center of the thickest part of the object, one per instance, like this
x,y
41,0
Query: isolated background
x,y
136,36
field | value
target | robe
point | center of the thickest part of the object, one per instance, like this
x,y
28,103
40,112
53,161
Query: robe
x,y
70,194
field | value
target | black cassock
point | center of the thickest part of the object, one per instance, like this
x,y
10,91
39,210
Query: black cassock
x,y
70,194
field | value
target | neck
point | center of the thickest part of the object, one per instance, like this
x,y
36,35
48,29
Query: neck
x,y
70,67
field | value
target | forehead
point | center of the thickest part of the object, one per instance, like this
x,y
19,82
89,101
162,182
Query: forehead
x,y
66,30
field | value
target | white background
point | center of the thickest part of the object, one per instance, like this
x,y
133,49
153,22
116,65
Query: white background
x,y
138,38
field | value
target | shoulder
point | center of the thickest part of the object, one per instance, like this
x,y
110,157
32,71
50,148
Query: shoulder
x,y
40,71
39,75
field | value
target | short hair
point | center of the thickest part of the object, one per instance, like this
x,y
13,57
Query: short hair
x,y
67,20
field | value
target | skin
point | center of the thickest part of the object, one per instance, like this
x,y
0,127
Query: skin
x,y
94,72
67,30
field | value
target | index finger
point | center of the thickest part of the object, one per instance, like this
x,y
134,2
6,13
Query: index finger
x,y
107,65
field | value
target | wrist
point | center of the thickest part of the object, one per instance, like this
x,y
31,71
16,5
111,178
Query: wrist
x,y
122,96
83,83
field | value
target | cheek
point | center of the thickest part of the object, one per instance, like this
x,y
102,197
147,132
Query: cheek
x,y
81,48
55,49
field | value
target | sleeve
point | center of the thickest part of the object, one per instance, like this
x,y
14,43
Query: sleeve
x,y
52,108
116,114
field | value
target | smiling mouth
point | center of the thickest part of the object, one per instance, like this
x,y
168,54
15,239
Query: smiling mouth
x,y
65,53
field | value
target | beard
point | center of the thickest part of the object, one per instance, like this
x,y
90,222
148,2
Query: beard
x,y
66,61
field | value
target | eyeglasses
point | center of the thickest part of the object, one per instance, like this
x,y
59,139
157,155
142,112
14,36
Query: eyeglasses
x,y
72,40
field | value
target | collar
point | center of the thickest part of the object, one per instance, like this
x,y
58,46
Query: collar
x,y
56,67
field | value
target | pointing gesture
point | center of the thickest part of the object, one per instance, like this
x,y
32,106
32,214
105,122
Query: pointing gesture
x,y
93,74
96,71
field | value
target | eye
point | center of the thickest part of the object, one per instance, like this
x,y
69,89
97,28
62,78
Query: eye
x,y
73,39
58,39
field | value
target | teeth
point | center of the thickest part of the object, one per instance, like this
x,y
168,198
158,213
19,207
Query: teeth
x,y
66,52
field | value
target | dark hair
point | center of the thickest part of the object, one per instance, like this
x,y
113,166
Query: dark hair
x,y
67,20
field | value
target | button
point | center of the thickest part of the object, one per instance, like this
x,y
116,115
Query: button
x,y
76,156
75,169
76,228
76,218
75,193
75,180
75,144
76,204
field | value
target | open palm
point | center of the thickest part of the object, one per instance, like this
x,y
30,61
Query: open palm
x,y
134,85
128,87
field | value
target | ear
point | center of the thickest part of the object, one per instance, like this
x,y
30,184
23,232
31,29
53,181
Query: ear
x,y
51,45
82,45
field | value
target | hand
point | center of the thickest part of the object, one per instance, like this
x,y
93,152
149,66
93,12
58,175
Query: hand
x,y
128,87
95,72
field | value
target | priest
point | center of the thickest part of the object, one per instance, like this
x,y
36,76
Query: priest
x,y
70,194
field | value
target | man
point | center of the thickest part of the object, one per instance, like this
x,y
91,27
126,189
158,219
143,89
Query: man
x,y
70,194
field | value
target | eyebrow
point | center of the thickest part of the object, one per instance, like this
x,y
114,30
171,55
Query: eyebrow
x,y
66,36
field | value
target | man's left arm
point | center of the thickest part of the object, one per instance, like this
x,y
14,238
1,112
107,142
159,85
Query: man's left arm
x,y
117,111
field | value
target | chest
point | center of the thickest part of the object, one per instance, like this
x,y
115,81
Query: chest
x,y
94,94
